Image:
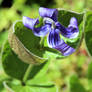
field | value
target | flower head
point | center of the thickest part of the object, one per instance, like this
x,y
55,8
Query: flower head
x,y
54,28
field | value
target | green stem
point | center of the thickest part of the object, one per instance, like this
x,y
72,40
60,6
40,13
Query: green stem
x,y
27,73
42,42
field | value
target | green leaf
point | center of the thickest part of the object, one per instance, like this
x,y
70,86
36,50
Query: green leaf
x,y
31,43
35,85
11,63
88,31
25,44
75,85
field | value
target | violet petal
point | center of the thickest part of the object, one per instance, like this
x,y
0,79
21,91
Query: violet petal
x,y
46,12
53,38
42,31
72,31
29,22
65,49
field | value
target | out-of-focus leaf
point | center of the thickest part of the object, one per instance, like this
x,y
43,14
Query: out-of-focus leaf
x,y
3,77
7,17
75,85
89,75
81,60
3,36
35,85
88,31
89,72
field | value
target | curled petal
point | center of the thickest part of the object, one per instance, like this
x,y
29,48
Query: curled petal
x,y
42,31
73,22
29,22
53,38
65,49
46,12
73,28
72,31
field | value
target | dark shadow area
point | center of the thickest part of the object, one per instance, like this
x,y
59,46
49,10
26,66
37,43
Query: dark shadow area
x,y
6,3
44,3
43,86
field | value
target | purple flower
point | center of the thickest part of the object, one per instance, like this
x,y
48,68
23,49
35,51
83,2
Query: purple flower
x,y
54,29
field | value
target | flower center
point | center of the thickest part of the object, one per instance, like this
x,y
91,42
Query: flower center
x,y
49,21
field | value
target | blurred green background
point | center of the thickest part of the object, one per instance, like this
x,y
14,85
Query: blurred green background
x,y
61,72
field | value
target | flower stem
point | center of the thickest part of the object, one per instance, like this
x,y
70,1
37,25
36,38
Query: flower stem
x,y
27,73
42,42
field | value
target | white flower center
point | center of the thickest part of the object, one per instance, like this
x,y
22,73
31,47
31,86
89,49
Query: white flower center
x,y
49,21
